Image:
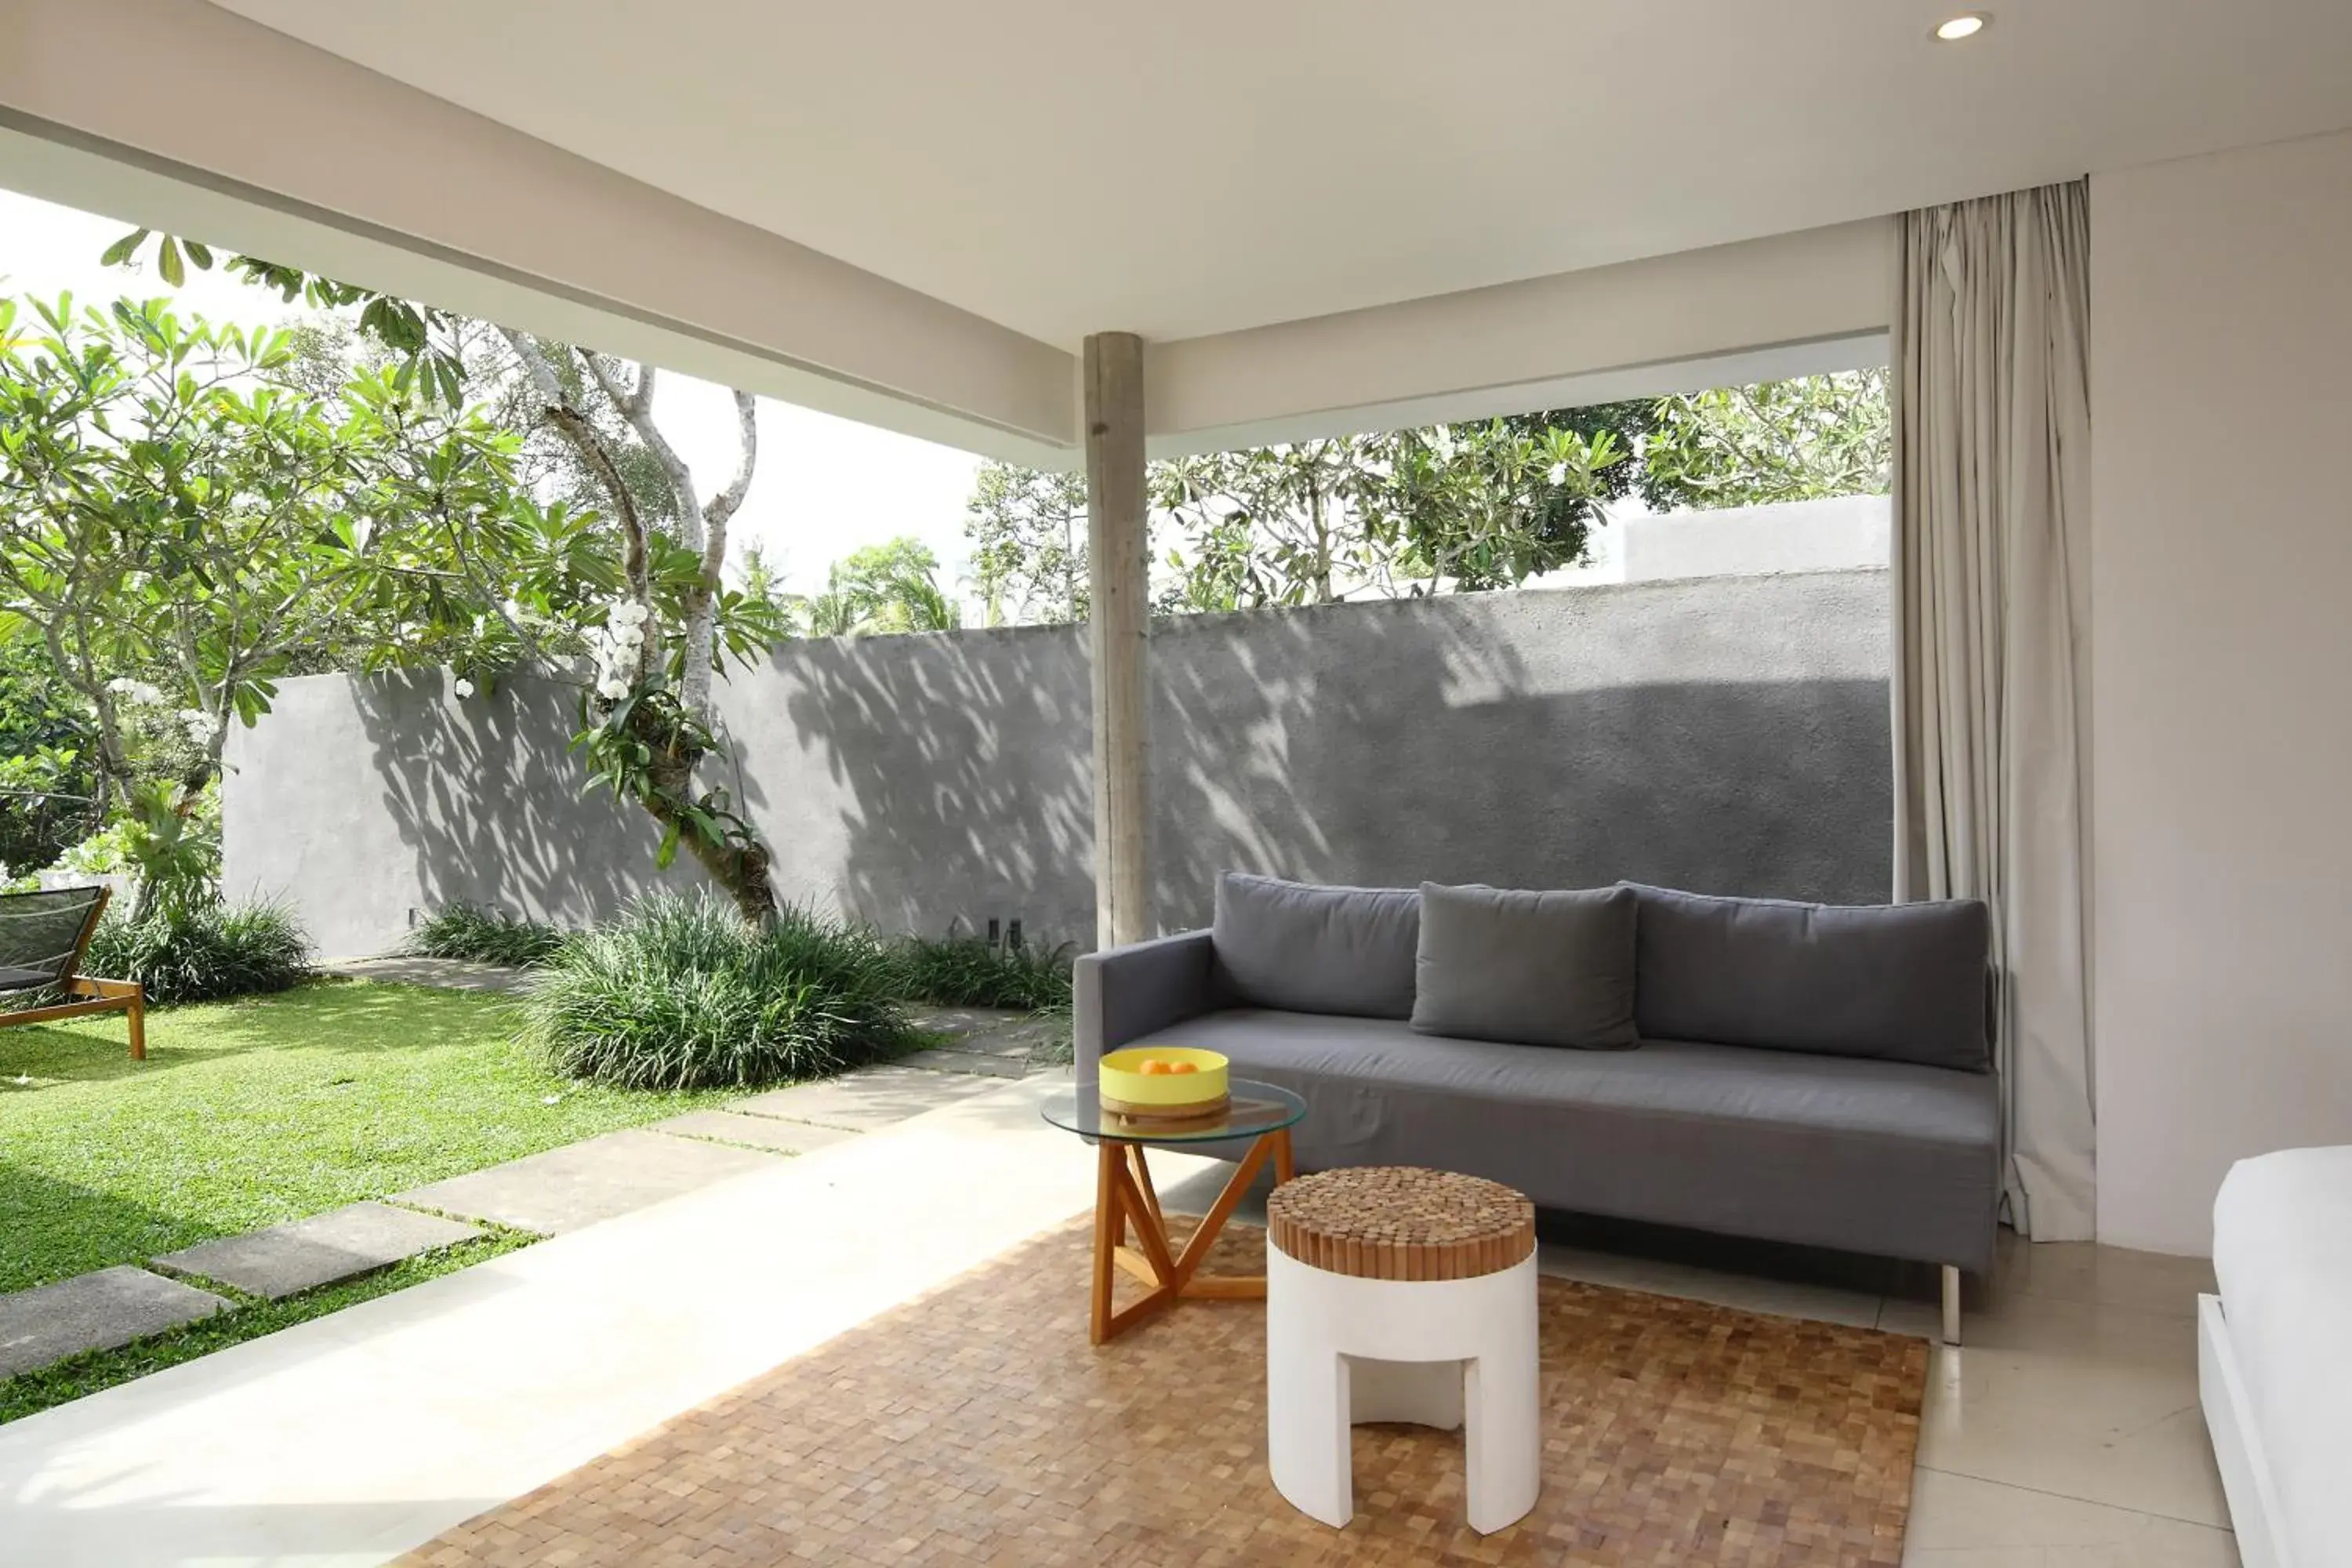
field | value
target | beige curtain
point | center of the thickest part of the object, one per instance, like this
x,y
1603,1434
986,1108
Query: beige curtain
x,y
1993,636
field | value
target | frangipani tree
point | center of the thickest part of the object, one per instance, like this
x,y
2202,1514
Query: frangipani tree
x,y
181,529
648,724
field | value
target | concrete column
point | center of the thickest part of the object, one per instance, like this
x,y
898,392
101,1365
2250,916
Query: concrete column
x,y
1120,628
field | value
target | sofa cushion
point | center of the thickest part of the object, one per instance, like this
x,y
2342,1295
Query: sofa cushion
x,y
1346,951
1535,968
1874,1156
1899,981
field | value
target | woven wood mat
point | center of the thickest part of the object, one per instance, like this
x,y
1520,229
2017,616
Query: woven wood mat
x,y
976,1426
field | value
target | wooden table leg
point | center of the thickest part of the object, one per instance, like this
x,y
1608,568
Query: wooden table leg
x,y
1189,1280
1107,1212
1143,1183
1126,1204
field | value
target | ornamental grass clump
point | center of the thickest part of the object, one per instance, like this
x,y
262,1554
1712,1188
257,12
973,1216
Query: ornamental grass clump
x,y
203,952
683,993
966,972
481,936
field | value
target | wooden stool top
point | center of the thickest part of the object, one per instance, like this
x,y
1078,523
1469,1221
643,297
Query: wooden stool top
x,y
1398,1222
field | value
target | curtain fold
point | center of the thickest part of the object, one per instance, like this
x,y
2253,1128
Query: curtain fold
x,y
1991,391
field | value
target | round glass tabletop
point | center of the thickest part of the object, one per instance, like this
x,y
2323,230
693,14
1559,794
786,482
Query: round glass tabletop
x,y
1256,1108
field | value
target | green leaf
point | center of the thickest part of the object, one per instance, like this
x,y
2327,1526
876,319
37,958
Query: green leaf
x,y
200,254
123,250
167,262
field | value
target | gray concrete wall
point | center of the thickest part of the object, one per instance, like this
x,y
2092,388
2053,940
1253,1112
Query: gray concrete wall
x,y
1728,734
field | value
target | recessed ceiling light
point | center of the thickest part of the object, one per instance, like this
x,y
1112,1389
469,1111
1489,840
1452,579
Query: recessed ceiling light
x,y
1966,25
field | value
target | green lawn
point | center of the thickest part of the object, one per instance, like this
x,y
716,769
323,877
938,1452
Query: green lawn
x,y
247,1113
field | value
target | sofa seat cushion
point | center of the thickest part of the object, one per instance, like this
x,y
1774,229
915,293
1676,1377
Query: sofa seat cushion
x,y
1872,1156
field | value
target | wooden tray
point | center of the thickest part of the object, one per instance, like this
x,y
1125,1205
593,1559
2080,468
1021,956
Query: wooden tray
x,y
1197,1110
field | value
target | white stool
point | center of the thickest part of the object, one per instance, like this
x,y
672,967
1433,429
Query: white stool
x,y
1344,1346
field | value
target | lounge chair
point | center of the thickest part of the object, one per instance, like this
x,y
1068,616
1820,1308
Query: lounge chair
x,y
43,936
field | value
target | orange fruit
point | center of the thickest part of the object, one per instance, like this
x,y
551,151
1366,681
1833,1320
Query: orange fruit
x,y
1183,1066
1154,1066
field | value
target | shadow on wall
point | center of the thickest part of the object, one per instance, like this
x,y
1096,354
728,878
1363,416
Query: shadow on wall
x,y
960,774
1724,734
1463,747
1726,737
486,797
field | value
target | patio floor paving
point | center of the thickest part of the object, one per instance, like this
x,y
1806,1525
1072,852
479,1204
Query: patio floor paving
x,y
552,1193
862,1102
597,1179
758,1131
482,1385
450,973
93,1312
306,1253
982,1063
995,1031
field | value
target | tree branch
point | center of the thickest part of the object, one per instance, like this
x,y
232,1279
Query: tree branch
x,y
722,506
637,405
576,429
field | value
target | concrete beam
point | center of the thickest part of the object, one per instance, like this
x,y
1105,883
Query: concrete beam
x,y
186,117
1794,304
121,106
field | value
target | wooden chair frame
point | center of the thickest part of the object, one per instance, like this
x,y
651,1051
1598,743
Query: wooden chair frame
x,y
90,993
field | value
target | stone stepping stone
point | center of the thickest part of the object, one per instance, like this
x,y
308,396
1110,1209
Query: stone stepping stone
x,y
307,1253
978,1062
449,974
869,1098
991,1031
94,1312
760,1132
576,1185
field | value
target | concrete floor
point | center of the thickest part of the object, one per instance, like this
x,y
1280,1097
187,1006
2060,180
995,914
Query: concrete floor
x,y
2064,1434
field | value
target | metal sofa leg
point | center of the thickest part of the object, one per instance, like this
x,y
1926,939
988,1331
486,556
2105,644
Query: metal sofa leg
x,y
1951,1304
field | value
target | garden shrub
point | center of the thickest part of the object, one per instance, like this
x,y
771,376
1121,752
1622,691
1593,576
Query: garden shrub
x,y
203,952
683,993
965,972
482,936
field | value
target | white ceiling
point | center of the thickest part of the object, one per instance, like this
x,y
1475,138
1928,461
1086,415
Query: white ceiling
x,y
1063,166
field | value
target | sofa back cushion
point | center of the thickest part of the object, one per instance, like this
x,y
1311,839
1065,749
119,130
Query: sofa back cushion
x,y
1531,969
1896,981
1305,949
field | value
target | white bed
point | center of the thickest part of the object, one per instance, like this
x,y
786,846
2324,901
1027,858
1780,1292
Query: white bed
x,y
2276,1356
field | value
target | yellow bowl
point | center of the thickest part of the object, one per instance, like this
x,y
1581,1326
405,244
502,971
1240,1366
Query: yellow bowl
x,y
1121,1080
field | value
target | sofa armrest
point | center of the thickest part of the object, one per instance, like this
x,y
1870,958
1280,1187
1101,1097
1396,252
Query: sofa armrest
x,y
1124,994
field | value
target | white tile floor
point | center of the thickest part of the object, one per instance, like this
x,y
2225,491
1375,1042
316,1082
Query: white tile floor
x,y
2064,1435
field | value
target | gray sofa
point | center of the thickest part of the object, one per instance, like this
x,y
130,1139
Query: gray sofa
x,y
1807,1074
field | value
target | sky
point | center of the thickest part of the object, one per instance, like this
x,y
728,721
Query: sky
x,y
824,485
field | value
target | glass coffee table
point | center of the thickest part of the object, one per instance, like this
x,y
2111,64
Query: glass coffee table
x,y
1125,1200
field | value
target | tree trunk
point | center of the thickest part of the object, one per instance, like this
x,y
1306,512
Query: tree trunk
x,y
741,866
740,869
